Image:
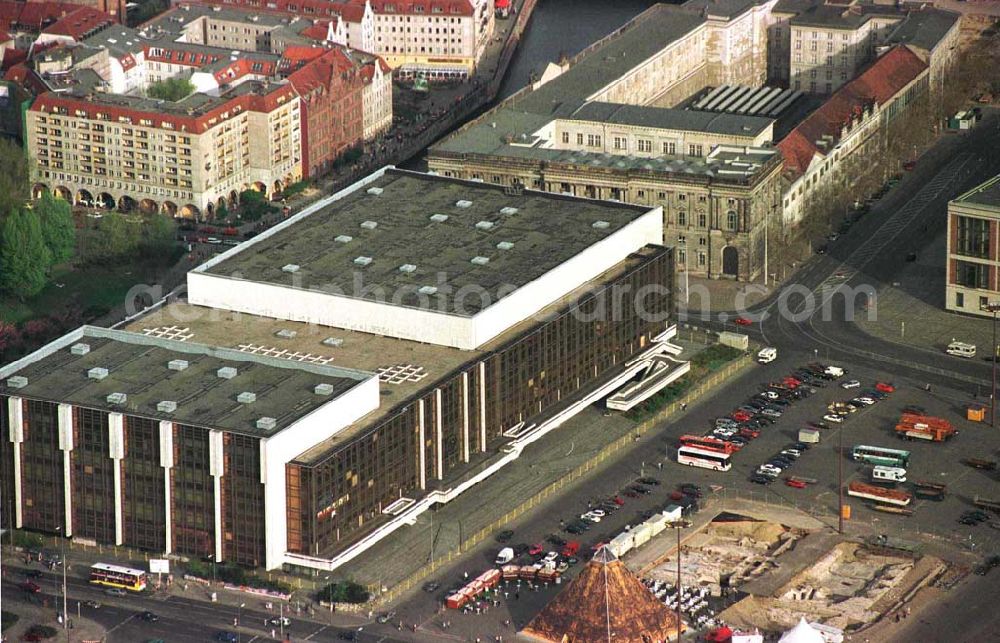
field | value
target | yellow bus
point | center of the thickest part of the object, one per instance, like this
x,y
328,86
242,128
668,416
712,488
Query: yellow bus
x,y
117,576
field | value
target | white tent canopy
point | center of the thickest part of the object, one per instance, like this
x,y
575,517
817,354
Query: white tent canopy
x,y
802,633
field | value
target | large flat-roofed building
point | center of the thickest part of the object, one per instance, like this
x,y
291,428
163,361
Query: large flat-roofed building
x,y
487,316
120,438
973,249
604,125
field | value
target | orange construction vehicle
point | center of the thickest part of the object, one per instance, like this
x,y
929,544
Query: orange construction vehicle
x,y
924,427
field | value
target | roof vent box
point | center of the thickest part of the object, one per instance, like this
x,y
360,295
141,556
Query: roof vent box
x,y
166,406
266,423
480,260
226,372
323,389
17,381
291,267
97,373
79,349
463,203
177,364
117,398
427,290
407,267
246,397
334,342
439,218
343,238
362,260
601,225
505,245
375,191
285,333
485,225
369,225
508,211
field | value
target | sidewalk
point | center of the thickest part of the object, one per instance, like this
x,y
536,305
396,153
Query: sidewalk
x,y
911,310
30,612
718,295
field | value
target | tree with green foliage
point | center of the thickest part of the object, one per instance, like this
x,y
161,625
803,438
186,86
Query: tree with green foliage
x,y
344,591
114,239
24,257
56,218
159,235
171,89
254,205
13,176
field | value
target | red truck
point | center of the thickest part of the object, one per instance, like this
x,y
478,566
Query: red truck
x,y
570,548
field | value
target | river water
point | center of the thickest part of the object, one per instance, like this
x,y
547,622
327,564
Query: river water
x,y
565,27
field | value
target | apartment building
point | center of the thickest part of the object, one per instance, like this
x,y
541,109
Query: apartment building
x,y
376,97
439,39
973,258
181,159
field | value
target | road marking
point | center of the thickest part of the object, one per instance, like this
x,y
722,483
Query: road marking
x,y
120,624
309,638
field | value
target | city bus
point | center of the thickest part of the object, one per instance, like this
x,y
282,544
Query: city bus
x,y
705,458
117,576
881,455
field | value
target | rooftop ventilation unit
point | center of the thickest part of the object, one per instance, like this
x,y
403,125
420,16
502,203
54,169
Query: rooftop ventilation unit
x,y
97,373
485,225
246,397
508,211
407,267
291,267
480,260
177,364
375,191
343,238
362,260
427,290
369,225
505,245
439,218
266,423
463,203
601,225
166,406
334,342
117,398
17,381
323,389
285,333
226,372
79,349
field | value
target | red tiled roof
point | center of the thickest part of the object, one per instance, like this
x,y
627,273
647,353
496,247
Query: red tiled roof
x,y
321,72
885,78
301,53
80,23
452,7
36,15
13,57
316,31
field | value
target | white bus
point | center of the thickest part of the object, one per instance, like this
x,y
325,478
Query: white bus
x,y
890,474
705,458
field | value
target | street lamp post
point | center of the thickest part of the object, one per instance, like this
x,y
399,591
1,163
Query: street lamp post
x,y
62,557
993,308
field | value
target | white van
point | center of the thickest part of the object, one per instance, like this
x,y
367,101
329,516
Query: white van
x,y
834,371
767,355
891,474
961,349
505,556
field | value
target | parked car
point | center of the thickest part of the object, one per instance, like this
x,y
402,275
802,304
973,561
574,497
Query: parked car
x,y
114,591
760,478
535,549
385,617
885,387
150,617
796,483
650,481
836,419
505,536
227,637
431,587
690,489
850,384
742,321
555,540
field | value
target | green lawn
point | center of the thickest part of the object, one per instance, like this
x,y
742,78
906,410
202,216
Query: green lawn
x,y
94,288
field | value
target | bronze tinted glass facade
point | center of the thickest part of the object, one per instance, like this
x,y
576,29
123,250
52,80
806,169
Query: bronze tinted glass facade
x,y
192,493
242,501
143,495
93,477
41,468
341,496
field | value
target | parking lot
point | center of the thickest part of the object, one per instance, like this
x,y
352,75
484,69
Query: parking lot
x,y
655,457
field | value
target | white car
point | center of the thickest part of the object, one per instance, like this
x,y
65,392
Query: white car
x,y
769,470
598,512
833,417
591,517
551,556
867,401
850,384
